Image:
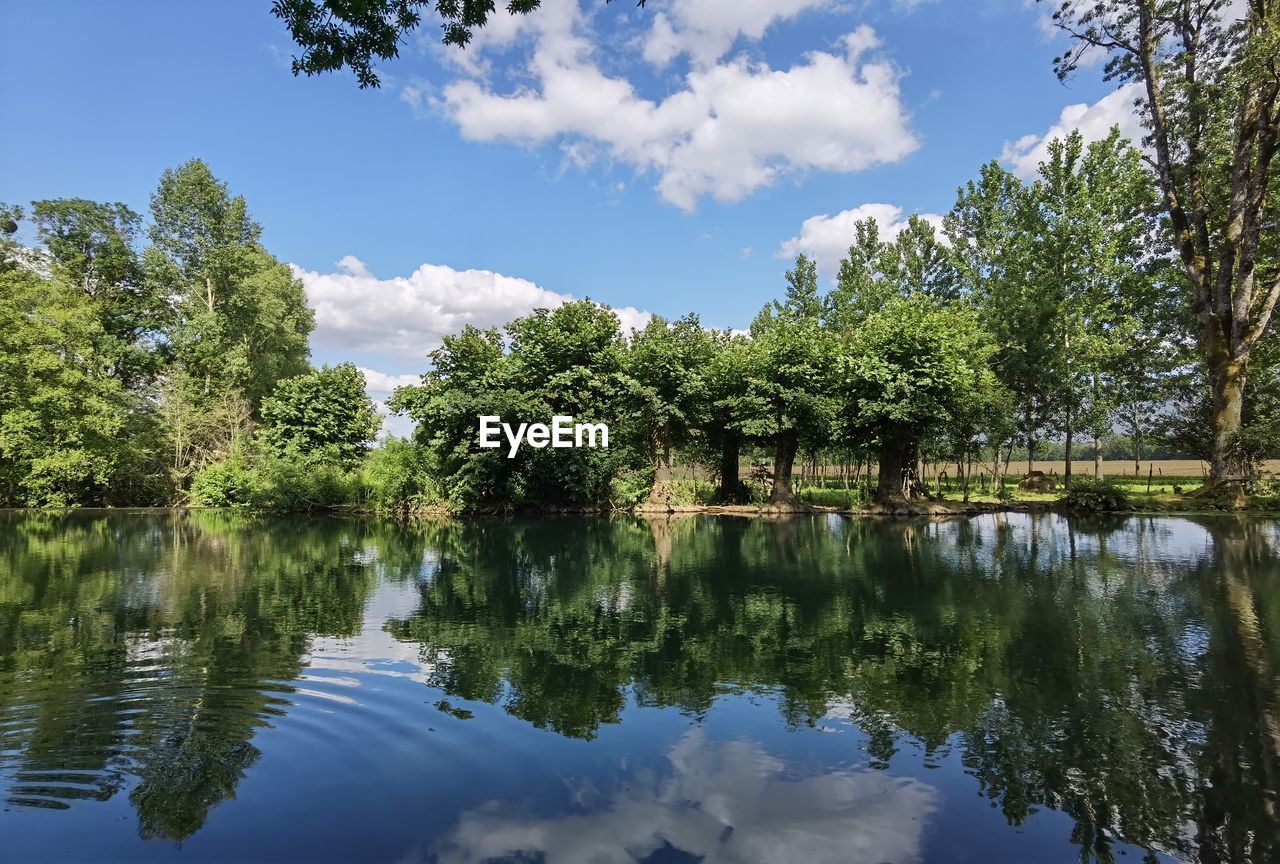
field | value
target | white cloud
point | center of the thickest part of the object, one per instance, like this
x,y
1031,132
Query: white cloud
x,y
382,383
731,128
1024,156
827,239
407,316
705,30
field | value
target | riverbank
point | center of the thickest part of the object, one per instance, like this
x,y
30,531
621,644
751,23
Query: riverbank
x,y
1268,507
1264,508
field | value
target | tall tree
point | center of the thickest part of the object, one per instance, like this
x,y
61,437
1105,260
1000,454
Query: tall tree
x,y
909,370
241,318
665,368
1211,102
1092,263
63,419
728,409
93,247
789,367
991,228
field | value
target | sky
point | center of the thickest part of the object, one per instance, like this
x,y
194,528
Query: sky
x,y
663,160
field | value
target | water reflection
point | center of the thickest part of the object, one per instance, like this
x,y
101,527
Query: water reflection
x,y
628,689
714,801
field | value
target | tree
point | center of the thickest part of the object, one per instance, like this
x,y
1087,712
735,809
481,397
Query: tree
x,y
62,417
325,413
338,33
1091,258
1211,103
788,369
908,370
92,247
990,229
665,367
862,286
727,410
564,361
241,318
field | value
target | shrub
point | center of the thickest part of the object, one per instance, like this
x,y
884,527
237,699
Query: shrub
x,y
1088,495
61,478
630,486
396,477
228,483
296,484
289,483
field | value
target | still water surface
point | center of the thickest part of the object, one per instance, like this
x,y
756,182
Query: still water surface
x,y
213,687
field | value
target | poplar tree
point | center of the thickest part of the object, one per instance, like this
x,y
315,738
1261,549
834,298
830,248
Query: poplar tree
x,y
1210,99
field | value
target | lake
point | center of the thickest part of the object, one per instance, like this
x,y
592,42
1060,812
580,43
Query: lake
x,y
211,686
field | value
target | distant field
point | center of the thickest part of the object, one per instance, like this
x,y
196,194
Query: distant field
x,y
1111,468
1116,468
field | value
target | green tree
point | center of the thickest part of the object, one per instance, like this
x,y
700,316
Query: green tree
x,y
991,228
325,413
665,366
862,286
907,371
788,368
1091,259
241,318
63,418
728,410
567,361
93,247
1211,101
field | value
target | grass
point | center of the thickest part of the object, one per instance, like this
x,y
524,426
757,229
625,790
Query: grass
x,y
842,499
1162,486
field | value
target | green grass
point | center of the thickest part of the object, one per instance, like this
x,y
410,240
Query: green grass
x,y
842,499
1168,493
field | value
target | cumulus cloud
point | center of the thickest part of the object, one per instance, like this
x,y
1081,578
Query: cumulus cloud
x,y
827,239
380,383
705,30
732,127
1024,156
408,316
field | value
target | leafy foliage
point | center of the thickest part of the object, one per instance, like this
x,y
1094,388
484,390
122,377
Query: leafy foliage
x,y
323,413
1089,495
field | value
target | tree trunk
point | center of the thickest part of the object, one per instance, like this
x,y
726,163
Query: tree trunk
x,y
1031,444
784,460
893,469
1136,443
660,492
1097,457
729,450
1070,442
1227,377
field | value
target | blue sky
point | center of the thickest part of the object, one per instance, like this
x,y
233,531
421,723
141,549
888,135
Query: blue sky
x,y
663,159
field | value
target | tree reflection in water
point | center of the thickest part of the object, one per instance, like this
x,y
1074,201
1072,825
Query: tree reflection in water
x,y
1121,671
